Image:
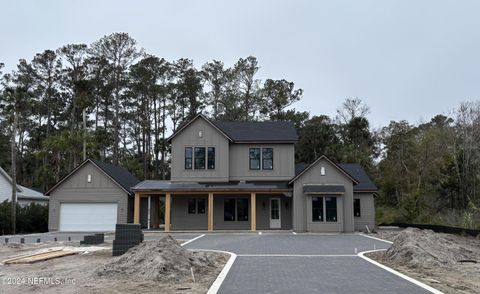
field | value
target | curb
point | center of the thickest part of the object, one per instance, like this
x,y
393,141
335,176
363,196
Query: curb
x,y
391,270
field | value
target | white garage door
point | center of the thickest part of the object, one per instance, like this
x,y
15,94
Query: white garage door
x,y
88,217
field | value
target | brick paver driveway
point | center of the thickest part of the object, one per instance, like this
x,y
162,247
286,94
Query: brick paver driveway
x,y
303,263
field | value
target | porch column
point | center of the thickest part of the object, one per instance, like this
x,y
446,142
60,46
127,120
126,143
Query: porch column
x,y
253,206
167,211
136,209
149,210
210,211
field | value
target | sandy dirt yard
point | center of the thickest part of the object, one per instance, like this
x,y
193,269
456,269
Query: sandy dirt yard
x,y
449,263
87,273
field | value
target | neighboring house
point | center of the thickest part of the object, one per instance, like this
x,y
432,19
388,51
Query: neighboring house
x,y
25,196
242,175
93,197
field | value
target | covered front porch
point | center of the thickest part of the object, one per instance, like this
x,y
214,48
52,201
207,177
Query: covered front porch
x,y
224,206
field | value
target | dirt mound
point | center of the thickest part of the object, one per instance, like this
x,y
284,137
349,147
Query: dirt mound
x,y
425,248
163,260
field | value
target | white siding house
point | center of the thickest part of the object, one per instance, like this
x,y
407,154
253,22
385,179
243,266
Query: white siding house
x,y
25,195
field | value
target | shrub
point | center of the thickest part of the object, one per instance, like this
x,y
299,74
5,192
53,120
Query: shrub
x,y
32,218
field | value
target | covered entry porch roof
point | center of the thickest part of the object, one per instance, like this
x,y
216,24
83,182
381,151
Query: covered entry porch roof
x,y
150,186
177,189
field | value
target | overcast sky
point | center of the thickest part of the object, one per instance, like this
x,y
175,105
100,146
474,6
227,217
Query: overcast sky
x,y
405,59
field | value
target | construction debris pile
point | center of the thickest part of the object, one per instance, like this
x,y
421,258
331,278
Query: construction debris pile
x,y
163,261
425,248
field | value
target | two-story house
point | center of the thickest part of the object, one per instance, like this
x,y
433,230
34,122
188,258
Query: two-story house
x,y
242,176
224,176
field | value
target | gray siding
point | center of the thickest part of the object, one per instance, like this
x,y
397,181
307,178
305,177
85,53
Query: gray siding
x,y
263,211
367,211
218,220
76,189
283,163
181,220
189,138
302,220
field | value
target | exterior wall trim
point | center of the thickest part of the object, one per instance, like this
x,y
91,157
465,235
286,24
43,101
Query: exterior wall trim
x,y
315,162
77,168
194,119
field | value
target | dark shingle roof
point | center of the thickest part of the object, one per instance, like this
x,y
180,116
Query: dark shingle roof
x,y
265,131
122,176
357,172
299,167
323,189
223,186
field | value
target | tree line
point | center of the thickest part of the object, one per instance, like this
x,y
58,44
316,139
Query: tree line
x,y
113,101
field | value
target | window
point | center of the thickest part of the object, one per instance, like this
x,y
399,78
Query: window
x,y
235,209
267,158
192,206
199,157
201,204
261,158
211,158
229,210
317,209
356,207
331,209
254,158
242,209
188,157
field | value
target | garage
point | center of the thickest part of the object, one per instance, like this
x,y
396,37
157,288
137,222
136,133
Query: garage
x,y
84,217
94,196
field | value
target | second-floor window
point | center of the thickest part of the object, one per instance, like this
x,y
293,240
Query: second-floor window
x,y
267,158
261,158
199,157
188,157
211,158
254,158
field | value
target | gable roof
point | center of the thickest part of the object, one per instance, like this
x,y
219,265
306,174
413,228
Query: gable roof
x,y
186,124
122,177
119,174
357,171
299,167
259,131
24,192
9,179
331,162
249,131
365,184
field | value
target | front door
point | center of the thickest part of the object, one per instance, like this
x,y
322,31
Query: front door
x,y
275,217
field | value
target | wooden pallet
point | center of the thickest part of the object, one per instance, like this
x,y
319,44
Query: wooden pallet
x,y
38,257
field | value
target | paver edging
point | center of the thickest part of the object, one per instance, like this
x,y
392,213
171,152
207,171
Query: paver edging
x,y
226,268
391,270
223,274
